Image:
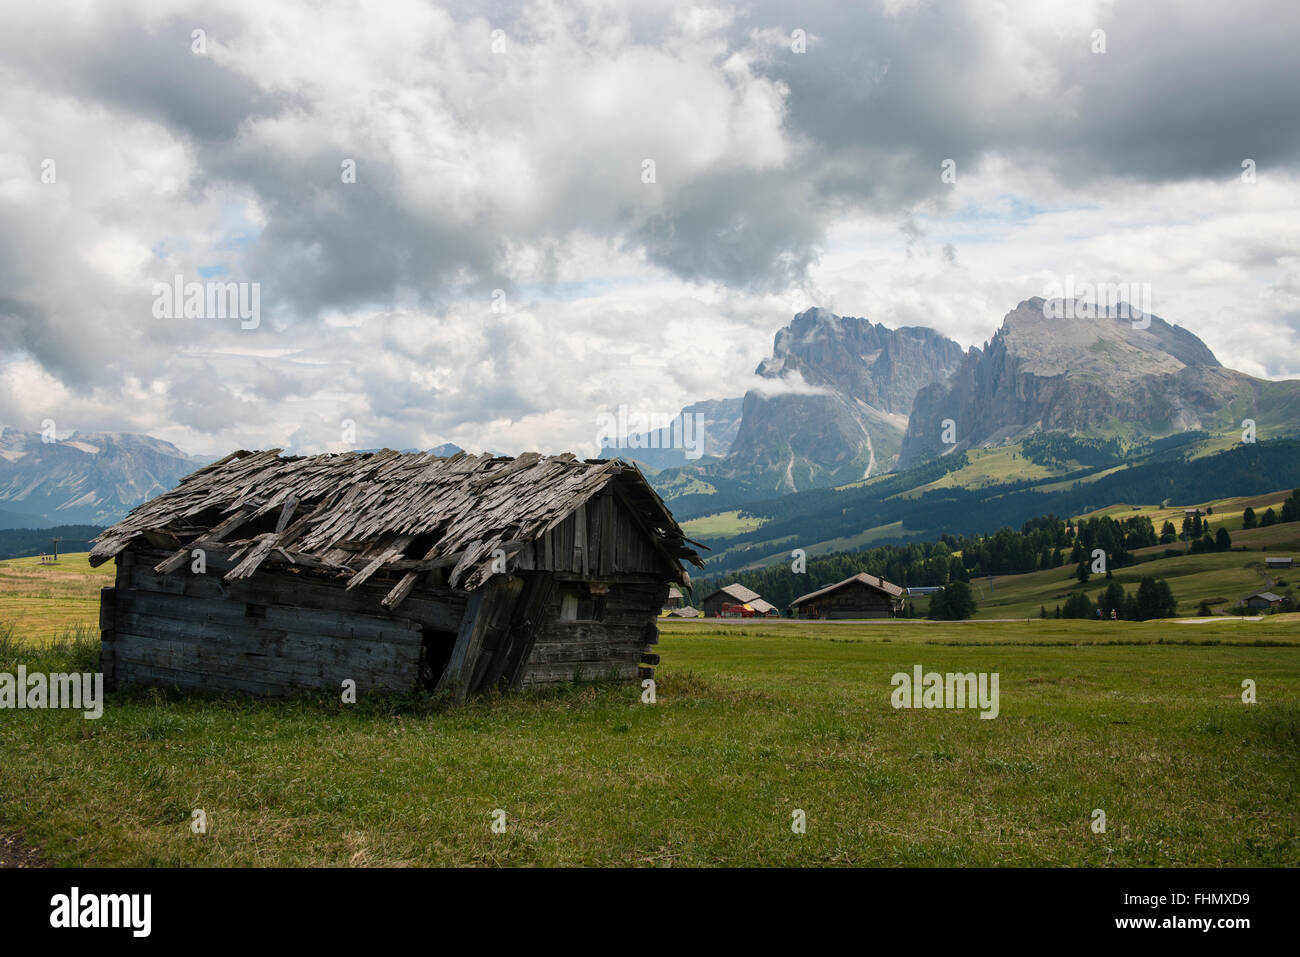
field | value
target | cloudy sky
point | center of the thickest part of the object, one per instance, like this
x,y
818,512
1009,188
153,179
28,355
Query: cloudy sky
x,y
501,270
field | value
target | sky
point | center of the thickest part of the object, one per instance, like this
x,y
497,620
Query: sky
x,y
490,223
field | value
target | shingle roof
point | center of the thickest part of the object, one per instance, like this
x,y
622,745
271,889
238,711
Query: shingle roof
x,y
357,513
737,591
1266,595
870,580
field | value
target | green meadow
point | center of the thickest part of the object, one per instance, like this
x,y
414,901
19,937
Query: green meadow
x,y
751,724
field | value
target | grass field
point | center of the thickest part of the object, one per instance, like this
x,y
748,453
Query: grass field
x,y
44,600
720,525
1220,578
752,722
987,467
1227,511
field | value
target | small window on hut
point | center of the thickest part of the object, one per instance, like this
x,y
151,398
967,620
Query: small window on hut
x,y
577,603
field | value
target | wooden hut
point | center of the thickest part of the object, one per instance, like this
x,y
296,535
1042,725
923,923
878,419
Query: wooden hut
x,y
733,594
269,575
1263,600
861,596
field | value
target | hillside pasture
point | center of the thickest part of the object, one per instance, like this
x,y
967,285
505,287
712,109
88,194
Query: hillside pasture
x,y
753,722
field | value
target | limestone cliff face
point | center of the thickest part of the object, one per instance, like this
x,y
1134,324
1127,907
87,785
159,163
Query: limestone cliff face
x,y
841,389
1083,375
88,477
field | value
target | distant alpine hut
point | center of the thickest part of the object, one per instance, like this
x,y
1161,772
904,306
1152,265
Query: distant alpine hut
x,y
675,598
737,599
271,575
1263,600
861,596
1277,561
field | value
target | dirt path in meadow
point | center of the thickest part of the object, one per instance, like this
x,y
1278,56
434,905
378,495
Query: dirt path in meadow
x,y
14,852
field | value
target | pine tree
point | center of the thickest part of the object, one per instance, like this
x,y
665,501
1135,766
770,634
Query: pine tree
x,y
1291,507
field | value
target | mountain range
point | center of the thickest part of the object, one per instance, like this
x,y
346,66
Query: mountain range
x,y
86,478
835,399
1108,375
850,399
841,401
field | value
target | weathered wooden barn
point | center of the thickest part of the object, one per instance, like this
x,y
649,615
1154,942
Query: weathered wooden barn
x,y
735,594
860,596
270,575
1262,600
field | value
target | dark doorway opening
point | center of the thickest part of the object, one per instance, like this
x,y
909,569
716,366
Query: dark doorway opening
x,y
435,652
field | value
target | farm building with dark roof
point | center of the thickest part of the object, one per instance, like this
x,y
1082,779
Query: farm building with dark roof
x,y
1263,599
270,575
735,595
860,596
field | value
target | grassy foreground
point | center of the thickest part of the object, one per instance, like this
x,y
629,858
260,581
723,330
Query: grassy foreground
x,y
751,723
42,601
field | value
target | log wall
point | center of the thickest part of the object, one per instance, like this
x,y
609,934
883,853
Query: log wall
x,y
611,647
275,634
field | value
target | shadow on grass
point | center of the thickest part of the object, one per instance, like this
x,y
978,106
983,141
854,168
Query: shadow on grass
x,y
77,650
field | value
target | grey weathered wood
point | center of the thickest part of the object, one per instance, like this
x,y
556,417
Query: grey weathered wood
x,y
320,591
286,513
468,639
107,606
486,607
530,611
182,556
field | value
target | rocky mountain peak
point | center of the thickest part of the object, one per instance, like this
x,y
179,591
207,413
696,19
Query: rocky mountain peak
x,y
1055,336
865,361
1068,365
849,424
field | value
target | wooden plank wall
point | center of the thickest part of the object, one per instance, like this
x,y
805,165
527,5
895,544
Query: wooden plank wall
x,y
599,540
275,634
612,647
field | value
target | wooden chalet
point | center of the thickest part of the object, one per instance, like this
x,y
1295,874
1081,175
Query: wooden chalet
x,y
861,596
1263,600
733,594
270,575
